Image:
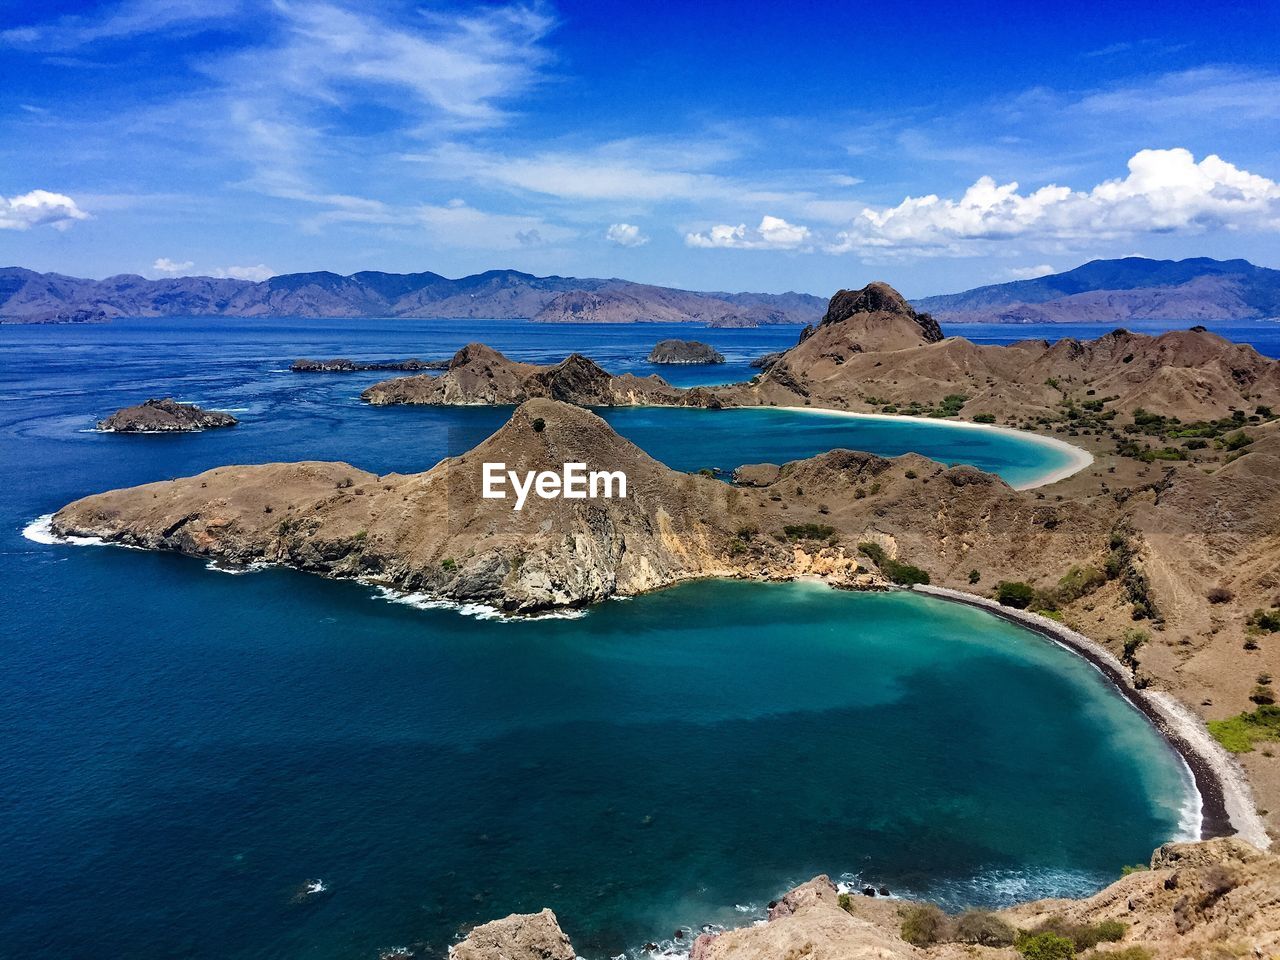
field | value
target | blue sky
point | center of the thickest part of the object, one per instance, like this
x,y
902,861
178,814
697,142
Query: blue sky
x,y
714,145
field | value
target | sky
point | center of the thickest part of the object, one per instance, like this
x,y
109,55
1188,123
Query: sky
x,y
711,146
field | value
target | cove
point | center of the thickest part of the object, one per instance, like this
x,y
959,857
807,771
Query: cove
x,y
184,757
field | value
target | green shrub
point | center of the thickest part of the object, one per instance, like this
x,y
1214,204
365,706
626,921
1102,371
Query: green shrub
x,y
448,564
846,902
923,924
1083,936
539,424
808,531
1239,733
985,928
1236,441
974,576
898,572
1128,953
1015,593
1079,582
984,418
1268,620
1045,946
1133,868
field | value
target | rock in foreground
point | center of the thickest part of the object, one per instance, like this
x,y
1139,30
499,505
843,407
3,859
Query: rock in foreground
x,y
1219,898
684,351
521,936
165,416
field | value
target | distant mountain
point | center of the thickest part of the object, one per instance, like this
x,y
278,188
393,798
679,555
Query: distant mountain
x,y
1134,288
30,297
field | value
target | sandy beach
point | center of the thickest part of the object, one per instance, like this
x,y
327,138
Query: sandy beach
x,y
1080,458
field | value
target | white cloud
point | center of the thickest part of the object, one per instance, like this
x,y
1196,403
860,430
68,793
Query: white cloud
x,y
37,209
1166,191
121,20
1029,273
626,235
171,267
773,233
257,273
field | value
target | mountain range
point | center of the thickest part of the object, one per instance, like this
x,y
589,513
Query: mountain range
x,y
30,297
1116,291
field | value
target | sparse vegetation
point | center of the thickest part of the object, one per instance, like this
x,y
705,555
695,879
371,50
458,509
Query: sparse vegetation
x,y
809,531
448,564
984,928
1268,620
1239,734
1015,593
923,924
974,576
1219,595
539,424
1045,946
900,573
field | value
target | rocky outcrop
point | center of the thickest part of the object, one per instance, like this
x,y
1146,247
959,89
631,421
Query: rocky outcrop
x,y
165,416
343,365
527,936
684,351
1218,898
480,374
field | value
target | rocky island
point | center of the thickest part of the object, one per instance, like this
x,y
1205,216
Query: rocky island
x,y
165,416
480,374
684,351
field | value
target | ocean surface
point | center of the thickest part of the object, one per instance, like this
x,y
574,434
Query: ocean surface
x,y
182,750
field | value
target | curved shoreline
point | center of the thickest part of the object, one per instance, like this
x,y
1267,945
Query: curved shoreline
x,y
1227,806
1080,457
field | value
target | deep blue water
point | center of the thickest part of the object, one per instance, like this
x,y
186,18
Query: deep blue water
x,y
180,749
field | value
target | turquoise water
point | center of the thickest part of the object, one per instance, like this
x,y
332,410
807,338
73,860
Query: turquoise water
x,y
181,749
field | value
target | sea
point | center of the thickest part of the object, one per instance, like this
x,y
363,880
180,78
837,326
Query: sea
x,y
269,764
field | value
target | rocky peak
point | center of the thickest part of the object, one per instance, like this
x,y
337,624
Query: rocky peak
x,y
474,353
879,298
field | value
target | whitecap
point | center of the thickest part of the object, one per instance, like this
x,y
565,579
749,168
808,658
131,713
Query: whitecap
x,y
481,611
236,569
40,530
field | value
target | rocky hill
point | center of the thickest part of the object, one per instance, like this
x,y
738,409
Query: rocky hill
x,y
1120,291
873,352
480,374
30,297
684,351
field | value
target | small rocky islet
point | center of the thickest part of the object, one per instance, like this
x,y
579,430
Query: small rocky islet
x,y
165,415
684,351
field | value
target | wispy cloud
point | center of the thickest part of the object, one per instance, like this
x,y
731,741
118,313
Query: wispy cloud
x,y
39,208
120,21
257,272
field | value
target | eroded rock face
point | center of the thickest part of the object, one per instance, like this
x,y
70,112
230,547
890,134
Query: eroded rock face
x,y
480,374
521,936
165,416
684,351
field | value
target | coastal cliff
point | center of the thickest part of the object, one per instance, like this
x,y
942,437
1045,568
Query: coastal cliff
x,y
1220,898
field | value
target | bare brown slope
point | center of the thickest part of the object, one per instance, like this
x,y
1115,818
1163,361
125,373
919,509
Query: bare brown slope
x,y
478,374
862,357
434,531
